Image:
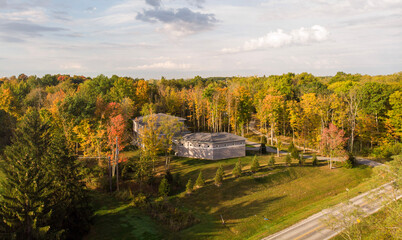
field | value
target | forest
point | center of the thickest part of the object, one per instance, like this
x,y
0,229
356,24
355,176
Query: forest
x,y
47,122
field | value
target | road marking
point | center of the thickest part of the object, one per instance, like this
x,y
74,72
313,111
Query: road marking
x,y
307,233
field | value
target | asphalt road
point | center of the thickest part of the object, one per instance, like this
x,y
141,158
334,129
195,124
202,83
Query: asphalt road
x,y
314,228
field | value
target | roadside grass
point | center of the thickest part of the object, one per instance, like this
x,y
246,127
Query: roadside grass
x,y
284,195
115,219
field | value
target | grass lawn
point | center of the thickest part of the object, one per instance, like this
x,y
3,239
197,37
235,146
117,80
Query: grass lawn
x,y
284,195
114,219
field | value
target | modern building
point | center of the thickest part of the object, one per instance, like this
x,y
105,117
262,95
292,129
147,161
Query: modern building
x,y
212,146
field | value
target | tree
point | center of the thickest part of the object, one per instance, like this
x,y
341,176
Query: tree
x,y
332,142
189,186
219,176
271,161
288,160
301,160
350,161
237,169
200,182
164,188
315,161
41,196
395,114
278,147
255,165
294,153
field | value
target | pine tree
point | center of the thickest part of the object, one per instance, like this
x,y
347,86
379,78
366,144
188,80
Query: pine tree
x,y
189,186
26,196
164,188
271,161
315,161
42,196
288,160
219,176
301,160
200,182
255,165
237,169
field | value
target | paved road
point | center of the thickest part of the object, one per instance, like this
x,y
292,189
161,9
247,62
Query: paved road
x,y
313,227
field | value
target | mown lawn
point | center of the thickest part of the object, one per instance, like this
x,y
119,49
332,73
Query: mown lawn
x,y
283,195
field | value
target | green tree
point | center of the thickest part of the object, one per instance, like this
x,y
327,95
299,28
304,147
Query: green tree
x,y
288,160
395,115
189,186
315,161
164,188
237,169
255,165
350,161
200,182
219,176
271,161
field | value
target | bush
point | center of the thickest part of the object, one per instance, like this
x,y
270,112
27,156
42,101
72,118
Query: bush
x,y
350,161
200,182
189,186
288,160
271,161
219,176
237,169
140,201
255,165
315,160
387,150
164,188
301,160
293,151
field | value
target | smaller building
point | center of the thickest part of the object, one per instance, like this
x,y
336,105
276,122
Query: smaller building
x,y
212,146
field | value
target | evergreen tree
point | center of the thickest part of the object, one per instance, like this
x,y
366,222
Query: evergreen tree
x,y
237,169
288,160
315,161
301,160
189,186
293,151
219,176
271,161
42,196
255,165
200,182
350,161
26,196
164,188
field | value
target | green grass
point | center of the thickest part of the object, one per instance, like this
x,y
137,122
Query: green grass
x,y
282,194
114,219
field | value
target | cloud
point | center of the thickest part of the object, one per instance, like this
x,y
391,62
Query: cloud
x,y
11,39
197,3
164,65
153,3
90,9
180,21
279,38
27,28
71,66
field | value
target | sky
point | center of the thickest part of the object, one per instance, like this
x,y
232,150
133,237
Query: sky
x,y
184,38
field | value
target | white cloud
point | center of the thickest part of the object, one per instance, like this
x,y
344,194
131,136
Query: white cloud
x,y
71,66
164,65
279,38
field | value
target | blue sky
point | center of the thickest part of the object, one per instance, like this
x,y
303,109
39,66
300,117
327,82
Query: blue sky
x,y
184,38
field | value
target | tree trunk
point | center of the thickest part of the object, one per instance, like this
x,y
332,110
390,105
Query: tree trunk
x,y
272,134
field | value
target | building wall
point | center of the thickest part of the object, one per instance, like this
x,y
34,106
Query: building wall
x,y
212,153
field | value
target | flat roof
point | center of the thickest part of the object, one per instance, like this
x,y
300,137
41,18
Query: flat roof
x,y
212,137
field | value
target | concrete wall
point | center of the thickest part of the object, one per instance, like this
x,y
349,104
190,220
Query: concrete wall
x,y
212,153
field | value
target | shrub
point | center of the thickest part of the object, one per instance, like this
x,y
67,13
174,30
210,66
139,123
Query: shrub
x,y
301,160
271,161
293,151
164,188
288,160
255,165
189,186
350,161
140,201
315,160
237,169
219,176
200,182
